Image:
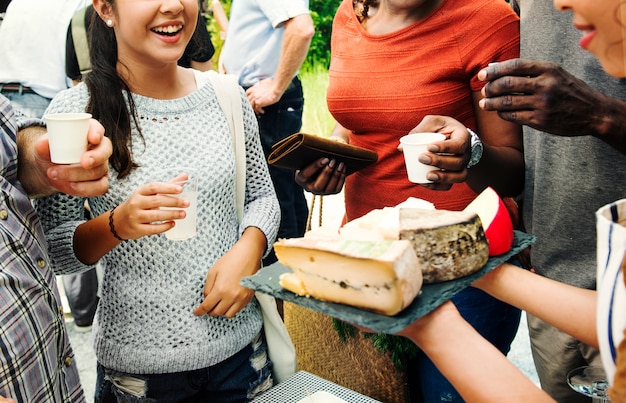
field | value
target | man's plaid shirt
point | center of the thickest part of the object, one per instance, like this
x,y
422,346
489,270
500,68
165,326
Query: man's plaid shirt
x,y
36,361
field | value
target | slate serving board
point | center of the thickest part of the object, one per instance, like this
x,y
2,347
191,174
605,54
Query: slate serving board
x,y
431,296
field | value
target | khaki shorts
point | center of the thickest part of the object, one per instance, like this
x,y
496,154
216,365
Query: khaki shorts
x,y
555,354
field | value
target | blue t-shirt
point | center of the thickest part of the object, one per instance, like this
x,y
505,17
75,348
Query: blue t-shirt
x,y
255,36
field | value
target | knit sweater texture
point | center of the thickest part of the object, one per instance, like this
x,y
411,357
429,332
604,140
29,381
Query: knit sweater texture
x,y
145,322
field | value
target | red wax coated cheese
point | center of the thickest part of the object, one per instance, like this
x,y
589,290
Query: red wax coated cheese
x,y
495,219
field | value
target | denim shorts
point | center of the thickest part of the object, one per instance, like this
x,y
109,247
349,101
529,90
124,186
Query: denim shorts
x,y
237,379
31,105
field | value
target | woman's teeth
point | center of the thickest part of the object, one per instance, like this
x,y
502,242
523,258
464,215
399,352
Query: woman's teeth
x,y
169,30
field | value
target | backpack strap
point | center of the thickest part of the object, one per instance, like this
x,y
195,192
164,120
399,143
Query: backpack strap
x,y
227,90
79,36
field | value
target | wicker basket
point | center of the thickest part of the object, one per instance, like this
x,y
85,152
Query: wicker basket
x,y
354,363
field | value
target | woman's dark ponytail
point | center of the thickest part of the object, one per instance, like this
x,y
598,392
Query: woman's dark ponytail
x,y
106,88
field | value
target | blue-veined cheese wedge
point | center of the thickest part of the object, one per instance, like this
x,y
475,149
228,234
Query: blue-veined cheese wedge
x,y
380,276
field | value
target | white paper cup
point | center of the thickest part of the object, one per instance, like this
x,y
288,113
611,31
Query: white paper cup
x,y
413,145
185,228
67,135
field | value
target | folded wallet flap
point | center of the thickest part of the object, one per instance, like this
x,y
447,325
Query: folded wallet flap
x,y
301,149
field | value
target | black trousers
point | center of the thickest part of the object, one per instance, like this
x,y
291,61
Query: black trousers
x,y
279,121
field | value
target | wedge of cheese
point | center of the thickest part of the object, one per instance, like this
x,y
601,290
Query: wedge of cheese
x,y
381,224
383,277
448,244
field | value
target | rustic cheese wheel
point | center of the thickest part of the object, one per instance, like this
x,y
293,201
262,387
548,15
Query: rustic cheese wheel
x,y
448,244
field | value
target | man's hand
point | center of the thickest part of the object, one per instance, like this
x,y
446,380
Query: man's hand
x,y
41,177
542,95
262,94
298,32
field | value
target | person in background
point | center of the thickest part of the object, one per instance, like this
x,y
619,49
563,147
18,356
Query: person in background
x,y
32,44
220,17
382,84
267,42
558,88
200,50
173,322
37,363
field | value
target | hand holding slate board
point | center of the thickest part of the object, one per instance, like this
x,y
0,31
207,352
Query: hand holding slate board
x,y
430,297
301,149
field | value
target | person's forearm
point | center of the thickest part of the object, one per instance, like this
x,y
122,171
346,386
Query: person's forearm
x,y
253,242
31,175
502,162
502,168
569,308
220,16
476,369
94,239
341,133
299,31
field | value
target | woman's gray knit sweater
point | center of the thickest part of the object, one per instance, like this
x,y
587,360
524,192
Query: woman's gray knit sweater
x,y
144,322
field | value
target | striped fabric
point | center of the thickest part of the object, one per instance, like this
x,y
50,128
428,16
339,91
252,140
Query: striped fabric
x,y
611,313
36,361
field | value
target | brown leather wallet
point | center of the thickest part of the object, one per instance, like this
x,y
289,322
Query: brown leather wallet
x,y
301,149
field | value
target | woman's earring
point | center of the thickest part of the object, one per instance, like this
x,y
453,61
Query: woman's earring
x,y
109,23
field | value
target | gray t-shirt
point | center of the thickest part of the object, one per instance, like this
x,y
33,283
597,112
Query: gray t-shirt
x,y
567,178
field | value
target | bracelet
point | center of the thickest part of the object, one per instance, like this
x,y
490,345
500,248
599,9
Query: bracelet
x,y
112,226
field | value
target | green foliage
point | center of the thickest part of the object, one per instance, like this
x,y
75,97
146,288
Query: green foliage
x,y
343,329
322,13
399,348
214,29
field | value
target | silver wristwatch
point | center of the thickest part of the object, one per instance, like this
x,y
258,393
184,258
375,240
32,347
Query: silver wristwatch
x,y
477,148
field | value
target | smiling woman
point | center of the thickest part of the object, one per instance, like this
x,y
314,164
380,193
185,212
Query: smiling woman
x,y
604,31
170,311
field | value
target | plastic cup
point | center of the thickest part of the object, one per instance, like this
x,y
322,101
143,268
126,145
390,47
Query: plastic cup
x,y
67,135
413,145
185,228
